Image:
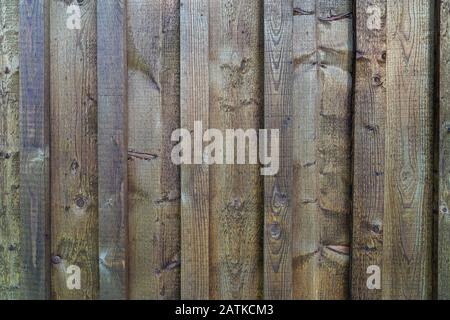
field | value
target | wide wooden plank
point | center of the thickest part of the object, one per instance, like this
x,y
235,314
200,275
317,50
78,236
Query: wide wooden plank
x,y
194,24
368,147
112,148
74,201
443,250
154,181
236,102
278,115
10,227
323,50
34,148
406,271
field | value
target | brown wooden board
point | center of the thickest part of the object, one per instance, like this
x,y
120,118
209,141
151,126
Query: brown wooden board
x,y
112,149
154,181
368,148
34,149
74,174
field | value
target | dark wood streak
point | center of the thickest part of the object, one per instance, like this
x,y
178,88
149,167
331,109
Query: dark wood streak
x,y
10,218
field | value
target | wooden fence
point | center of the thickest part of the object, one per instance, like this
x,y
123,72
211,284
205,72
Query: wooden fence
x,y
360,91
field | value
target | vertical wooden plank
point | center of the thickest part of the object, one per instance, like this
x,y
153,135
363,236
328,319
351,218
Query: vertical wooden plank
x,y
409,145
73,106
194,23
323,52
10,228
443,286
112,148
154,181
368,152
236,102
34,148
278,20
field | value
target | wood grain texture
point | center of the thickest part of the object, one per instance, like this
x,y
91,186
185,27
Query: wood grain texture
x,y
194,41
278,24
443,257
74,180
112,148
154,181
368,147
409,144
323,52
236,102
10,227
103,193
34,148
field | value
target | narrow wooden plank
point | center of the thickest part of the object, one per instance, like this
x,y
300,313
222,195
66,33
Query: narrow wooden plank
x,y
278,24
73,108
443,258
194,24
10,227
406,272
236,102
154,181
34,148
323,51
368,148
112,148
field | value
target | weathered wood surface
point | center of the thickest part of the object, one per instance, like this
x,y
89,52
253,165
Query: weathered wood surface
x,y
74,180
112,148
443,258
154,181
111,93
323,51
34,149
368,145
409,145
236,102
194,22
278,27
10,225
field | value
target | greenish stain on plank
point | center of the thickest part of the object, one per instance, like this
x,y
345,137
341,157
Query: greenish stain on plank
x,y
10,223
